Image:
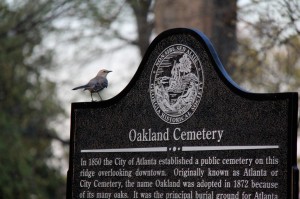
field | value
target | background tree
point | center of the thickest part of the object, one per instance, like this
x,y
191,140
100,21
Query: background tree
x,y
106,19
28,101
267,58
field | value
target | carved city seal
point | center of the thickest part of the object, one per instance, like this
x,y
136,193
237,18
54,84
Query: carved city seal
x,y
176,84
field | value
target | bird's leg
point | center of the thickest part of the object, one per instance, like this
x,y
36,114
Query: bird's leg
x,y
92,96
99,96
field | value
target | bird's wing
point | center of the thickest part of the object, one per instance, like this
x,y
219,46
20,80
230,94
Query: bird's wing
x,y
101,84
92,82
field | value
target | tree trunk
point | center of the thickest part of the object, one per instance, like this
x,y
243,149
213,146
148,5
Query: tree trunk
x,y
224,29
141,11
216,18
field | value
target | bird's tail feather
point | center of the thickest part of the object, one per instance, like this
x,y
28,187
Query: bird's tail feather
x,y
79,87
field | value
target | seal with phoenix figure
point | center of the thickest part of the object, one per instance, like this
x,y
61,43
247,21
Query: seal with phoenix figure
x,y
176,84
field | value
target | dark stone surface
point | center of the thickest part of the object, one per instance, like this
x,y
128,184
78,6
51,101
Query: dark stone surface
x,y
246,119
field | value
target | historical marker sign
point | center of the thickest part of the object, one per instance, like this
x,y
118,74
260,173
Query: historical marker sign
x,y
183,129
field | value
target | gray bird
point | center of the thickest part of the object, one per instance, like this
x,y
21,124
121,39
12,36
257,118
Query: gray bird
x,y
96,84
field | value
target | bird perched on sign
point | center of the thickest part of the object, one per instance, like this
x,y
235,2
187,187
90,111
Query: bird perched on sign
x,y
96,84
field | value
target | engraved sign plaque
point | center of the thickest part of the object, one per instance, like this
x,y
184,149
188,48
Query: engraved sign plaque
x,y
176,84
182,129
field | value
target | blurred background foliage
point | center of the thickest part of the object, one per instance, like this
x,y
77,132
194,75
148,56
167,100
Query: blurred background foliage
x,y
258,43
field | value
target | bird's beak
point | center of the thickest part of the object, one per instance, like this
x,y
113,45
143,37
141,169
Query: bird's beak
x,y
109,71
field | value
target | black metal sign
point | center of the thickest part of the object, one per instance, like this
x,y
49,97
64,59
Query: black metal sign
x,y
183,129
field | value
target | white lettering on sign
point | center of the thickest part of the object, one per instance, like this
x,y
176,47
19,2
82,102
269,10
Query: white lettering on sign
x,y
177,134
